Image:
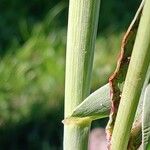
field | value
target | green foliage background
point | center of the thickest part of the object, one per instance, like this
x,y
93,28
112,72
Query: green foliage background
x,y
32,48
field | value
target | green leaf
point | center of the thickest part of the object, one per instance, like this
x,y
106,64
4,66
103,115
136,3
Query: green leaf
x,y
146,119
95,106
133,84
117,79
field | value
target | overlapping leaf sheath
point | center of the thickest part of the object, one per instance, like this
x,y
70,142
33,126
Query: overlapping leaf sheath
x,y
117,79
146,120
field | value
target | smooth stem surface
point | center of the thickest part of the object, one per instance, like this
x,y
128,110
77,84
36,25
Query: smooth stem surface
x,y
82,29
133,84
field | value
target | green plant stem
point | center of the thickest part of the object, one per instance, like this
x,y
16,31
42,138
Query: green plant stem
x,y
82,29
133,84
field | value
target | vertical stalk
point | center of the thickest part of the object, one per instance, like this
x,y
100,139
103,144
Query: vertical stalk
x,y
133,84
82,29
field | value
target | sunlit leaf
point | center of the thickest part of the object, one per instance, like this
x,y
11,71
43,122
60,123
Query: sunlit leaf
x,y
97,105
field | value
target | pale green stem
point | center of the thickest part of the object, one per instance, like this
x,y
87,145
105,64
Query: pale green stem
x,y
82,28
133,84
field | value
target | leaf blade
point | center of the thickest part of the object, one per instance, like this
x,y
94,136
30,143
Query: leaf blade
x,y
96,106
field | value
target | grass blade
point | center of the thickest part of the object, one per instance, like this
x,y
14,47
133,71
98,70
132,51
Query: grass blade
x,y
133,84
117,79
98,104
95,106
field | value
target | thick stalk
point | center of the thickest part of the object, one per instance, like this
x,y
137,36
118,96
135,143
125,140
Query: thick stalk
x,y
82,28
133,84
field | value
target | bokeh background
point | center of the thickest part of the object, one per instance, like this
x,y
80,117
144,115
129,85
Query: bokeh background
x,y
32,64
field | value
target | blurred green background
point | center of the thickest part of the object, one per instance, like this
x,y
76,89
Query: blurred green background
x,y
32,64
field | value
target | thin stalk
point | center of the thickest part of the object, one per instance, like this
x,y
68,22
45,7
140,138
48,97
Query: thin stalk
x,y
82,29
133,84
